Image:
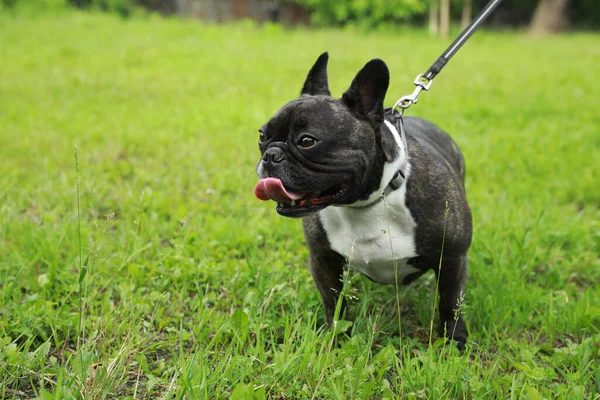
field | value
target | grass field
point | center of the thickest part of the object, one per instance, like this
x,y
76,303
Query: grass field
x,y
192,288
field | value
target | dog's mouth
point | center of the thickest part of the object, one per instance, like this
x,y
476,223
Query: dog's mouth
x,y
292,204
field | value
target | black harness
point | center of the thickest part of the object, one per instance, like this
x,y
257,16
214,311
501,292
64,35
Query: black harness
x,y
400,176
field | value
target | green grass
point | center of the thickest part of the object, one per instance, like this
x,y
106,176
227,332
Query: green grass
x,y
195,289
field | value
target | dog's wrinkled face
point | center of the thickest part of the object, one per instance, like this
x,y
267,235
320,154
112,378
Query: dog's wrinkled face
x,y
319,151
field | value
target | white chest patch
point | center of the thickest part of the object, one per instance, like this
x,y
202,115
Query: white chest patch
x,y
378,239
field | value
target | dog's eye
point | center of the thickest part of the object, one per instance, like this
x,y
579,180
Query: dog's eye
x,y
307,141
261,137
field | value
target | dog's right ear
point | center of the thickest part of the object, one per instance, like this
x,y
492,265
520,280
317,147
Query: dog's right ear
x,y
316,81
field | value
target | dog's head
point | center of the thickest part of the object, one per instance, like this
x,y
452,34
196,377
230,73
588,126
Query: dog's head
x,y
319,151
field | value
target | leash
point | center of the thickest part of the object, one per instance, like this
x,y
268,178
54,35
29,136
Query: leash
x,y
424,81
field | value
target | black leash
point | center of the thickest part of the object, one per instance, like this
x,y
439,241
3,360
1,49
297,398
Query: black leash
x,y
424,81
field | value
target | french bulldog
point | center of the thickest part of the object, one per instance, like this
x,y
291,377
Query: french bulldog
x,y
380,194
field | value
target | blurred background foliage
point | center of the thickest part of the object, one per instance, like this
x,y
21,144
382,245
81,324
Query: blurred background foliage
x,y
367,14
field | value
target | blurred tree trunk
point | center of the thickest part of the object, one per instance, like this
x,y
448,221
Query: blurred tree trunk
x,y
180,7
467,13
434,20
444,19
549,17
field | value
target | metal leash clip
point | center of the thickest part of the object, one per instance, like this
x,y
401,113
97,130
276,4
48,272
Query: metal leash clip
x,y
421,83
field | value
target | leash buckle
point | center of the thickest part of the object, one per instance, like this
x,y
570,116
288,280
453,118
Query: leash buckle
x,y
422,83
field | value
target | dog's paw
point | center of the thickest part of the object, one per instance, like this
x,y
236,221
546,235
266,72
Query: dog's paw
x,y
456,331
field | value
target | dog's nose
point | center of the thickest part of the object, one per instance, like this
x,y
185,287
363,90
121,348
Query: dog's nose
x,y
273,155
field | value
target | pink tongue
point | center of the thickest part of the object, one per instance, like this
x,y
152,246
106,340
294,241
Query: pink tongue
x,y
272,189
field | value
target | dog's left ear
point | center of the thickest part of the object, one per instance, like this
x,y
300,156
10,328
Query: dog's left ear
x,y
316,81
367,92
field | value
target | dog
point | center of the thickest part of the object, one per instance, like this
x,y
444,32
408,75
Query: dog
x,y
380,194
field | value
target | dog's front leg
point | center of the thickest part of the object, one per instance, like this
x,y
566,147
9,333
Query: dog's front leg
x,y
327,268
452,277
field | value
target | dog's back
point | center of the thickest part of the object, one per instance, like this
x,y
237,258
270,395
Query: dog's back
x,y
430,136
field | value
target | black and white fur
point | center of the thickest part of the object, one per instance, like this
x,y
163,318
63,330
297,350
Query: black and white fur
x,y
357,152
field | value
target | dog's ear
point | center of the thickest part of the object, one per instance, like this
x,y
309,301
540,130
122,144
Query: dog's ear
x,y
316,81
367,92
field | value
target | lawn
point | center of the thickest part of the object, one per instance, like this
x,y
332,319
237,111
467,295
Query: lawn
x,y
128,147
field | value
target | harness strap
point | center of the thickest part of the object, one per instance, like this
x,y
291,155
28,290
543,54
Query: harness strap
x,y
400,176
